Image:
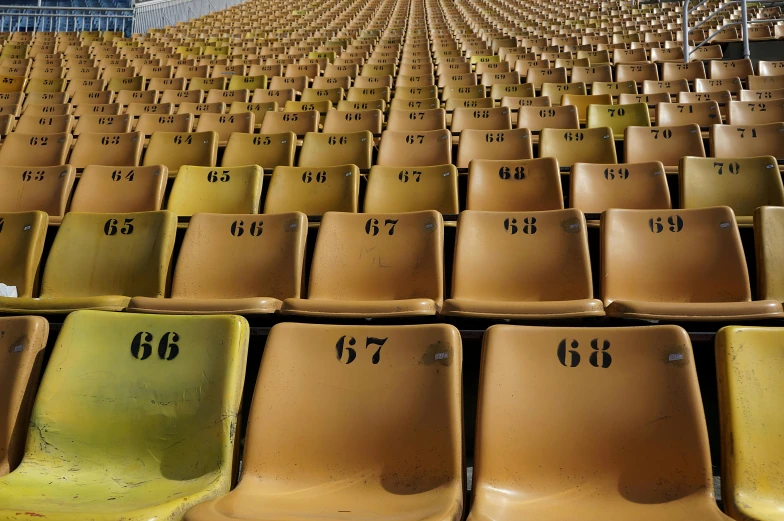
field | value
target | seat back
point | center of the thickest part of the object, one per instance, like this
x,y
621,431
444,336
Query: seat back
x,y
22,344
320,149
583,101
768,234
393,189
743,140
595,188
34,150
751,427
704,114
108,189
313,191
267,256
98,254
120,149
618,117
590,145
174,402
642,422
537,118
686,256
25,189
338,121
664,144
499,118
755,113
514,185
216,190
416,120
226,124
104,124
22,236
174,149
495,144
409,246
522,256
743,184
407,439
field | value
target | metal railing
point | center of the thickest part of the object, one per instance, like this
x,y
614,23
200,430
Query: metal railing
x,y
743,24
160,13
44,18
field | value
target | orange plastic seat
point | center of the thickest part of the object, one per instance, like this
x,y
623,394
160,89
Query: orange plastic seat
x,y
594,188
265,267
396,272
693,263
323,443
619,433
522,265
514,186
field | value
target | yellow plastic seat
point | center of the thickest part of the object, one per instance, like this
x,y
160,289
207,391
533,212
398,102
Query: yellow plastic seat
x,y
34,150
504,144
416,120
320,149
693,263
265,150
22,343
172,405
664,144
32,124
44,85
148,124
264,268
313,190
98,261
618,117
298,122
110,189
121,149
409,248
591,145
583,101
594,188
537,118
415,148
614,88
338,121
743,184
397,454
238,82
140,97
498,118
733,85
175,149
514,185
46,189
117,84
226,124
742,141
704,114
515,265
391,189
22,236
104,124
768,233
620,429
216,190
201,108
754,113
748,367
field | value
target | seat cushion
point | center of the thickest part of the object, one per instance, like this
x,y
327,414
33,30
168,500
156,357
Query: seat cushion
x,y
460,307
54,306
701,311
359,308
191,306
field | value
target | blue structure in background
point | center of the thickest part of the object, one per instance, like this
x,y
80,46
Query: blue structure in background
x,y
66,15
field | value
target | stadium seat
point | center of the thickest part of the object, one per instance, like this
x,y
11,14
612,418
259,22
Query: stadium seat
x,y
768,233
415,148
594,188
109,189
694,265
226,124
743,184
664,144
320,149
748,364
32,150
396,456
173,405
594,145
98,261
618,117
22,236
175,149
635,447
704,114
104,124
22,343
216,190
264,268
47,189
742,141
416,120
516,265
499,118
537,118
313,190
754,113
514,186
582,101
393,189
36,125
409,246
122,149
505,144
148,124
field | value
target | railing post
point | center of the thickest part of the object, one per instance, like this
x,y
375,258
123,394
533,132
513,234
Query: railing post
x,y
744,14
685,20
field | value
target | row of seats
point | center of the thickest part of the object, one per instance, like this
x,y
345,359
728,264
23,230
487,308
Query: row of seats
x,y
507,265
377,429
744,184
